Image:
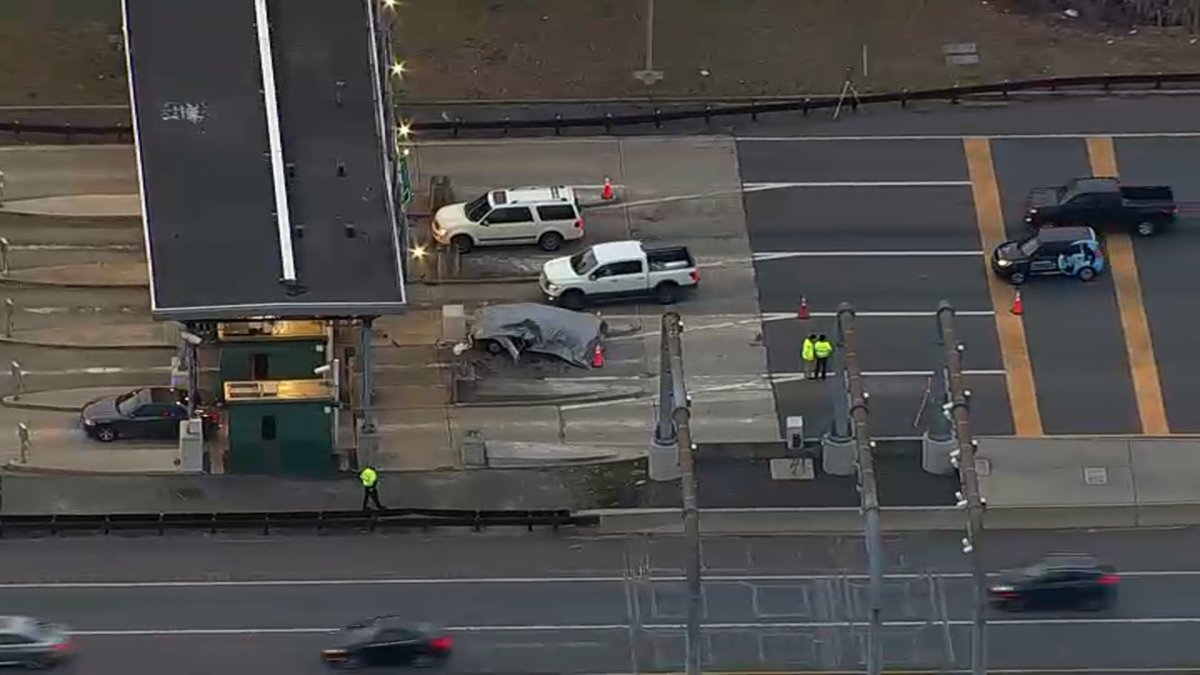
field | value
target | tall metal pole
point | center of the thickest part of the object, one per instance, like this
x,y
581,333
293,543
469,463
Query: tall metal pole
x,y
681,416
959,412
664,431
848,335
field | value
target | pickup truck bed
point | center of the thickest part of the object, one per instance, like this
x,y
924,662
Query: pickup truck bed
x,y
669,258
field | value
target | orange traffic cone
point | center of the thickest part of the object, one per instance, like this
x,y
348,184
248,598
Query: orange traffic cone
x,y
607,193
1018,307
598,357
802,313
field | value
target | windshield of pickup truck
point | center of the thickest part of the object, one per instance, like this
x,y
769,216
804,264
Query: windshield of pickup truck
x,y
1030,246
583,262
477,209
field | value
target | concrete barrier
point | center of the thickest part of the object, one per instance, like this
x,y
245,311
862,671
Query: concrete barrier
x,y
895,519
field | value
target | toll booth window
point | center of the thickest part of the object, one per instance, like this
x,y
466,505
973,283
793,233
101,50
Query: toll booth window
x,y
258,364
268,428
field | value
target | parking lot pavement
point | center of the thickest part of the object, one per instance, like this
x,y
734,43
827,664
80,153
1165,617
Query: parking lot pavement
x,y
670,191
889,227
1165,266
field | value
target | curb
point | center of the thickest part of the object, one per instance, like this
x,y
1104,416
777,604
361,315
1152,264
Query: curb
x,y
34,283
64,221
26,469
9,402
482,280
73,345
556,402
98,216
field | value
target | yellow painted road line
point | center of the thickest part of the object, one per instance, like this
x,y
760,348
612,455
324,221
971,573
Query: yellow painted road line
x,y
1022,392
1102,154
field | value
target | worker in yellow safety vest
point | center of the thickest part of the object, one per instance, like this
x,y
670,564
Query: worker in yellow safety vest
x,y
822,349
370,484
808,356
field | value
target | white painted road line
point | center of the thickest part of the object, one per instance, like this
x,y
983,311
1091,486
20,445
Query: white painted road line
x,y
751,187
784,377
787,255
958,138
468,581
786,316
731,626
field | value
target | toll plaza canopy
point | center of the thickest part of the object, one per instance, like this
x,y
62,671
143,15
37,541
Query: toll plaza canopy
x,y
265,158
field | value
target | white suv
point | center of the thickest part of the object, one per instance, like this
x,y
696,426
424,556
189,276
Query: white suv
x,y
546,216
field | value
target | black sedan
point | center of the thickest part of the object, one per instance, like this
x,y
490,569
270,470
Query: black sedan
x,y
1057,582
389,641
152,412
29,643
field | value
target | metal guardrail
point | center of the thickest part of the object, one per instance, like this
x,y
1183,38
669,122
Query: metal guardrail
x,y
753,109
707,112
267,521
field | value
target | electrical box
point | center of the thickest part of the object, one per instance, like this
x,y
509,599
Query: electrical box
x,y
794,427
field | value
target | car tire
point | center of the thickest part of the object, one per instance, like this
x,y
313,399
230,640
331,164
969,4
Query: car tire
x,y
1086,274
1012,605
572,299
550,242
493,347
462,243
37,664
1146,228
666,293
1017,278
349,663
430,661
106,434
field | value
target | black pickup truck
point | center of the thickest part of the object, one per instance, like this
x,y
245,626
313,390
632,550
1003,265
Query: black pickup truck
x,y
1100,203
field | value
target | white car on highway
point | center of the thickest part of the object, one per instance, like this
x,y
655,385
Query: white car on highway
x,y
546,216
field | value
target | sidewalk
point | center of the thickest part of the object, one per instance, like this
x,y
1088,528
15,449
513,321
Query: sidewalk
x,y
499,489
113,336
132,274
94,206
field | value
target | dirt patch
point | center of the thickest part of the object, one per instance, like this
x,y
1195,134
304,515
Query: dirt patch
x,y
510,49
67,51
61,52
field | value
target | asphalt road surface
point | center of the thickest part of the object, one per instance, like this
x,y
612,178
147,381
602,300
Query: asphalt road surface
x,y
534,605
895,225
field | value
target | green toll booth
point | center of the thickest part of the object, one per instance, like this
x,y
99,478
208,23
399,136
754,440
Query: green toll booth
x,y
272,350
280,427
281,416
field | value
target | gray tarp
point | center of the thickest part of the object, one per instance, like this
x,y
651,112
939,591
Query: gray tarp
x,y
571,336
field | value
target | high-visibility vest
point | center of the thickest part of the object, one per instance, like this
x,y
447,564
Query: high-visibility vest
x,y
368,477
807,350
823,348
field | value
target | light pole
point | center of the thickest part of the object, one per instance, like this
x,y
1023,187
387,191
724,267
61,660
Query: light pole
x,y
957,409
865,458
675,426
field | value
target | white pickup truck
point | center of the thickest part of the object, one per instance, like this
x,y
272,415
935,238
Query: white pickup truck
x,y
618,270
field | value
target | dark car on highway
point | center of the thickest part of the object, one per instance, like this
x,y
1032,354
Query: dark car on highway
x,y
150,412
1057,582
1052,251
29,643
389,641
1100,203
